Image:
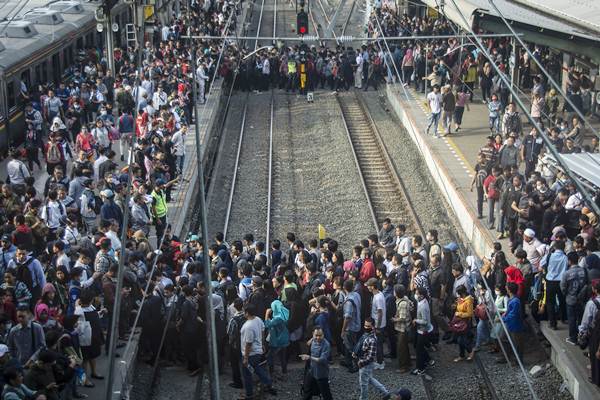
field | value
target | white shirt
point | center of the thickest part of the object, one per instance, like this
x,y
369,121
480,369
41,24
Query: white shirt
x,y
51,213
251,332
115,243
378,304
178,140
404,246
97,163
435,102
17,172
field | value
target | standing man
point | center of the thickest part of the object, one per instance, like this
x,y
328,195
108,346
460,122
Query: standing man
x,y
378,314
434,99
513,319
351,323
25,338
555,266
387,234
366,351
317,381
251,343
571,284
159,207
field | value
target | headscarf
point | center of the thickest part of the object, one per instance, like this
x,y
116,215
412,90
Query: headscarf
x,y
48,288
39,309
279,310
513,274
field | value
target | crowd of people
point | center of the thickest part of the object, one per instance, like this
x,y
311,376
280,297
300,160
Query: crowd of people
x,y
396,294
536,207
64,197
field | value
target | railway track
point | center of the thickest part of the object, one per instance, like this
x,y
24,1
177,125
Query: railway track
x,y
385,191
388,198
249,201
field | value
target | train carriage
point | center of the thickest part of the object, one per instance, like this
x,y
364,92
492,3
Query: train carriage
x,y
39,46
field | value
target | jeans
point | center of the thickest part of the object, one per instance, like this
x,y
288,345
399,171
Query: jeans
x,y
349,338
483,333
365,376
402,350
234,361
464,343
573,315
491,208
277,352
434,119
495,124
480,194
259,369
380,340
422,354
180,160
552,293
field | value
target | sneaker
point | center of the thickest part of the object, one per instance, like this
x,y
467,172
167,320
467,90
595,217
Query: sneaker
x,y
380,366
417,371
431,363
571,341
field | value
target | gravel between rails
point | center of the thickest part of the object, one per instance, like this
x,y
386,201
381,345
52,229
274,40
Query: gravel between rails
x,y
249,207
223,171
316,180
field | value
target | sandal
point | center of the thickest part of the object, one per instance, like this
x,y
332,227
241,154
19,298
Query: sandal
x,y
89,384
458,359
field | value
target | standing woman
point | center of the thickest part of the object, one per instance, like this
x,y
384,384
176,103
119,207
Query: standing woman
x,y
424,328
278,335
90,349
501,305
464,312
462,101
408,64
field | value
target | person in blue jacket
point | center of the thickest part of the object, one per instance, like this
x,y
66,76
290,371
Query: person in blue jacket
x,y
513,319
276,319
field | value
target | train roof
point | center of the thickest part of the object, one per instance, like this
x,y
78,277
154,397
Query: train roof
x,y
28,27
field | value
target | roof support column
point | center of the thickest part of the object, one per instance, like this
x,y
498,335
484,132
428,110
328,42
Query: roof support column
x,y
564,76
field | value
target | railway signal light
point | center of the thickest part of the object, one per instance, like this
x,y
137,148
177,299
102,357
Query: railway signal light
x,y
302,22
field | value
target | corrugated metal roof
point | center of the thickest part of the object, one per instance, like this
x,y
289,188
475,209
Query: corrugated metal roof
x,y
585,13
585,165
514,12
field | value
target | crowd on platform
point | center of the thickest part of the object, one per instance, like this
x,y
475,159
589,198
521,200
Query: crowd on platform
x,y
397,293
64,197
534,206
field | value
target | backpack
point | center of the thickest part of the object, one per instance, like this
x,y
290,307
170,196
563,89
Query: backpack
x,y
234,330
94,201
481,175
54,155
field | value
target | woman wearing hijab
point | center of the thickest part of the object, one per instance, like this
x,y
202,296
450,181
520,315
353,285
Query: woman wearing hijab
x,y
276,319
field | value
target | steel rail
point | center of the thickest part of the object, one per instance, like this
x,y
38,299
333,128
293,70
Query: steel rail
x,y
274,20
235,169
398,183
315,25
260,15
345,25
270,181
357,163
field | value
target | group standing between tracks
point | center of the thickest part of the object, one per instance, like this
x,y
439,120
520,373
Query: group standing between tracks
x,y
396,293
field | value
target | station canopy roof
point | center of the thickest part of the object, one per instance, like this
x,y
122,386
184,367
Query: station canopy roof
x,y
556,26
586,166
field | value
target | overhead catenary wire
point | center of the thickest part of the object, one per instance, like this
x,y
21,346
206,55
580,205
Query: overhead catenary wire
x,y
408,98
543,69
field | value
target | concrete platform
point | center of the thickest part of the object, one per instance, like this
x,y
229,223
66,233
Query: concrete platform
x,y
451,161
571,363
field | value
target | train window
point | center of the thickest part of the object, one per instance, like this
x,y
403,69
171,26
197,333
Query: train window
x,y
26,78
44,72
38,74
56,67
10,93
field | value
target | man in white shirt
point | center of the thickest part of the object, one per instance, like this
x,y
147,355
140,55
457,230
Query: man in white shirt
x,y
201,78
178,140
434,98
159,98
378,313
16,169
358,72
53,211
403,243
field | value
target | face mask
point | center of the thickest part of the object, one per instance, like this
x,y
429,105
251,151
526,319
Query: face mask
x,y
368,330
76,106
497,293
103,112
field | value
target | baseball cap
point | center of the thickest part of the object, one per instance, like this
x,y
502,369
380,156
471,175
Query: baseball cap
x,y
160,182
107,193
6,238
3,350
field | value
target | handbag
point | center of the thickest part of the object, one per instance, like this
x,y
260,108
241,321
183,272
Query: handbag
x,y
458,325
85,332
480,312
